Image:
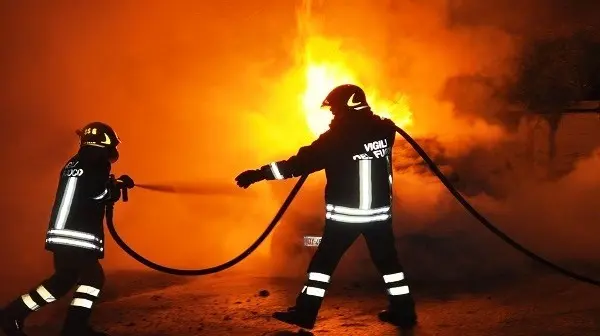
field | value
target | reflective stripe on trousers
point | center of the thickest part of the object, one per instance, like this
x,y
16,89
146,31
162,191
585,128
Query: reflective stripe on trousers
x,y
38,298
85,296
396,284
316,285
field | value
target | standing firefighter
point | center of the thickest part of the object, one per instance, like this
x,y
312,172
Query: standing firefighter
x,y
76,234
356,155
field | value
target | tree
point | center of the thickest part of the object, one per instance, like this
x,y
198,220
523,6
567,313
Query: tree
x,y
554,73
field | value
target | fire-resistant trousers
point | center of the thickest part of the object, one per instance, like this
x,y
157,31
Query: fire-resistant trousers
x,y
337,238
72,267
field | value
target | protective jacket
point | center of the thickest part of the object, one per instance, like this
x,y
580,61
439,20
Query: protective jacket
x,y
77,219
356,155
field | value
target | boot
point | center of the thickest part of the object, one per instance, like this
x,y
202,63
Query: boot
x,y
401,319
85,330
11,326
302,318
401,312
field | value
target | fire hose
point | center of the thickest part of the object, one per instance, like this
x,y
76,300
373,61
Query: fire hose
x,y
205,271
430,163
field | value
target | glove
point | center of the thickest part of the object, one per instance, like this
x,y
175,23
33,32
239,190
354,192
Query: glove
x,y
249,177
124,181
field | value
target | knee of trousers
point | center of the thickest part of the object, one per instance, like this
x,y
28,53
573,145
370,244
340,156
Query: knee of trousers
x,y
62,281
93,276
324,262
384,256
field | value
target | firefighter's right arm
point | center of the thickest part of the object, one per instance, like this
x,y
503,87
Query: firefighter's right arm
x,y
308,160
100,184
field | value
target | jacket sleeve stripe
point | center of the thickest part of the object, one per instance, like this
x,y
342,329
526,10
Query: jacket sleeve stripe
x,y
275,170
102,195
65,205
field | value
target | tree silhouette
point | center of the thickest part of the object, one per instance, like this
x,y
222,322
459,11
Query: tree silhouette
x,y
554,73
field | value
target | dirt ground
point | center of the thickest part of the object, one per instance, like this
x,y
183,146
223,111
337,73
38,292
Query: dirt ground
x,y
151,304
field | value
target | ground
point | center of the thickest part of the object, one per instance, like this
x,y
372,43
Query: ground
x,y
151,304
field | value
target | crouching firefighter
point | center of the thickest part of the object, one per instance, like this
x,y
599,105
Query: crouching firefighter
x,y
76,235
356,155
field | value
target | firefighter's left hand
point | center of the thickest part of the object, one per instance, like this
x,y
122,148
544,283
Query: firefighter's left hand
x,y
249,177
124,181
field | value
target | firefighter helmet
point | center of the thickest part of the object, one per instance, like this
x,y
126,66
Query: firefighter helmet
x,y
346,97
99,134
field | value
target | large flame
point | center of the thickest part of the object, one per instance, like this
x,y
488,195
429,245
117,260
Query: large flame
x,y
323,77
326,66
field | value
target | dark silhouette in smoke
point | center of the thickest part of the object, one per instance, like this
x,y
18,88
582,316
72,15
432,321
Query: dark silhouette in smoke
x,y
550,74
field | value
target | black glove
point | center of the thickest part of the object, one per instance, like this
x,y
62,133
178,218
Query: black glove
x,y
124,181
249,177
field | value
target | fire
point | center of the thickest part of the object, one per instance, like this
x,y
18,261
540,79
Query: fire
x,y
326,64
324,76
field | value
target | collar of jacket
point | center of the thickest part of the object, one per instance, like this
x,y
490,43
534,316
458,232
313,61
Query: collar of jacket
x,y
351,119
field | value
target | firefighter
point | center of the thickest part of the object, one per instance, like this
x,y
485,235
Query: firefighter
x,y
356,155
76,235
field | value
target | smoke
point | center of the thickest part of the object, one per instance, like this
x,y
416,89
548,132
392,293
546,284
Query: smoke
x,y
187,87
459,62
200,91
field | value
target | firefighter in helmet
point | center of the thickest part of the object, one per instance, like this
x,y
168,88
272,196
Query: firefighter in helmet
x,y
356,154
76,234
